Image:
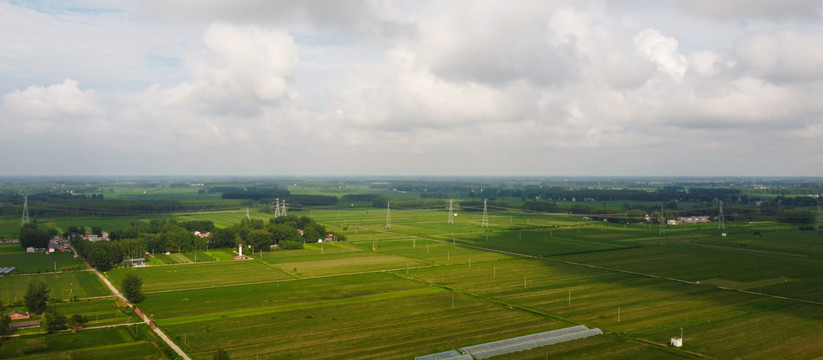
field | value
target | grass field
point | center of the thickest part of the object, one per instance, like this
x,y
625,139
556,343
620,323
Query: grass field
x,y
99,311
109,343
65,285
14,255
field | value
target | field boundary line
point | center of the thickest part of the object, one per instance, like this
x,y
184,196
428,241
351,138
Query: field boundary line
x,y
70,330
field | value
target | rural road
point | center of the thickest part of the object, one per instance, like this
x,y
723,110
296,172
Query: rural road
x,y
157,330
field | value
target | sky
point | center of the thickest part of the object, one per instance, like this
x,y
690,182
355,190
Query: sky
x,y
444,88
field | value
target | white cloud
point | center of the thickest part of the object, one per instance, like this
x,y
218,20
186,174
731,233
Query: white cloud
x,y
242,69
64,100
783,56
662,50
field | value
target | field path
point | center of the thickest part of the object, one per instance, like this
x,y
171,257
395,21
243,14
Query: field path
x,y
157,330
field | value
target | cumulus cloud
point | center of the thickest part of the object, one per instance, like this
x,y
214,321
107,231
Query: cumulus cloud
x,y
662,50
241,69
404,94
58,101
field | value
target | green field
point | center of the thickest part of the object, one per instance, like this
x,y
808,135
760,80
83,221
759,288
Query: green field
x,y
425,286
63,286
136,342
14,255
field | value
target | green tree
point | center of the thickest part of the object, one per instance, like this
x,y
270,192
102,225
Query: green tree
x,y
5,324
32,235
78,319
37,297
221,354
260,239
53,319
132,287
99,259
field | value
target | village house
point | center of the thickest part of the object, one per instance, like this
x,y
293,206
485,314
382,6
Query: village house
x,y
18,315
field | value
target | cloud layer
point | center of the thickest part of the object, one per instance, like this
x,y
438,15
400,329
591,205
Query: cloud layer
x,y
455,88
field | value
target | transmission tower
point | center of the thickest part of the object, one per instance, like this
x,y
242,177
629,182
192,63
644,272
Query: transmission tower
x,y
818,217
283,208
662,222
485,221
451,212
721,223
25,210
388,215
247,214
277,207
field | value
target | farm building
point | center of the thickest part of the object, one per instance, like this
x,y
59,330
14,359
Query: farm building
x,y
24,324
135,262
508,346
18,315
677,342
694,219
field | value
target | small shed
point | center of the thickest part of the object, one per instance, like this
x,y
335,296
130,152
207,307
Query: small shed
x,y
30,250
677,342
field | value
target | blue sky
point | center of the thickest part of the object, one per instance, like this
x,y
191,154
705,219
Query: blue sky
x,y
253,87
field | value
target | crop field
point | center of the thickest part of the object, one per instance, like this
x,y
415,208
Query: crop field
x,y
125,343
64,285
387,293
163,193
207,274
14,255
9,227
98,311
388,324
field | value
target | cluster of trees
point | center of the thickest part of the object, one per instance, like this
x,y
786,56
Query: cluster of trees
x,y
409,203
132,287
35,236
283,231
360,197
250,193
159,236
5,321
45,205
